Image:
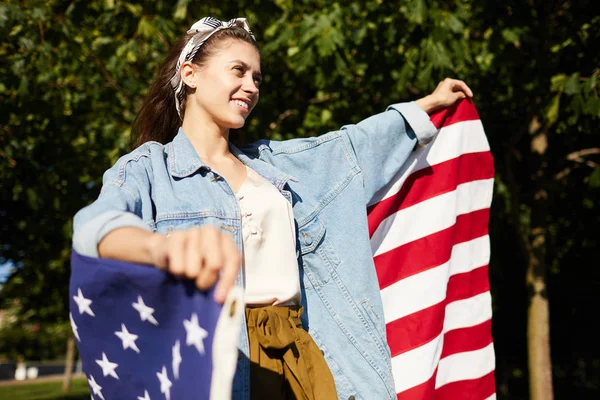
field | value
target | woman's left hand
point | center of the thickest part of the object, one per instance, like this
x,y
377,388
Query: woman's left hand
x,y
447,92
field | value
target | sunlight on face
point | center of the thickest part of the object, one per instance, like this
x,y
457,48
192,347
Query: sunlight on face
x,y
228,84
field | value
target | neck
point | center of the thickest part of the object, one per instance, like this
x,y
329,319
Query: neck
x,y
210,141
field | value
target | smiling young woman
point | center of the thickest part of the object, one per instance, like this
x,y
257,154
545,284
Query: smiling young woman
x,y
284,220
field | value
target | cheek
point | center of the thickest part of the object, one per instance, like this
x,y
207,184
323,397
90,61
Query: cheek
x,y
213,87
257,100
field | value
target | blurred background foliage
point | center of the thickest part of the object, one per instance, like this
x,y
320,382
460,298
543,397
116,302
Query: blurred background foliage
x,y
74,73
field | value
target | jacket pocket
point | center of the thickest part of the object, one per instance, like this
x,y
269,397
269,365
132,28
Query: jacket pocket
x,y
168,223
319,258
374,325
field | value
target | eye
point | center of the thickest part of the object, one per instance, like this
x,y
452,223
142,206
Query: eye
x,y
239,69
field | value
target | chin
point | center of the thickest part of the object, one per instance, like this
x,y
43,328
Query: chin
x,y
236,123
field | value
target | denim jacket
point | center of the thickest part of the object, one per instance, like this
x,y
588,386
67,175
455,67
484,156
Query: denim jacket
x,y
329,180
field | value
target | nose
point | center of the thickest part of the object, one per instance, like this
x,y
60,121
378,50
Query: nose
x,y
250,86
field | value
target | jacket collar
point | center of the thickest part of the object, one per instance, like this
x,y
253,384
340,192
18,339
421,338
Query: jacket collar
x,y
184,161
274,175
182,158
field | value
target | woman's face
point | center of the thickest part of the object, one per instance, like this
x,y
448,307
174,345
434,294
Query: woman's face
x,y
227,85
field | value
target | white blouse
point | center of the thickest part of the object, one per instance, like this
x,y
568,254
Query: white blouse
x,y
269,244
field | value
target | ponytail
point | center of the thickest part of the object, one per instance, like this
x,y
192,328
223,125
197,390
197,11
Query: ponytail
x,y
157,120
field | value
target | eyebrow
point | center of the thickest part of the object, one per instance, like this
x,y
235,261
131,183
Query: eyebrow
x,y
257,75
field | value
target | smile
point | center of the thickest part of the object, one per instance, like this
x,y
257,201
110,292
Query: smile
x,y
240,103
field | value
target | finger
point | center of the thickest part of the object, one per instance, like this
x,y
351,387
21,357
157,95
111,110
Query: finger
x,y
208,274
193,258
459,96
159,252
460,85
176,253
231,267
162,260
212,260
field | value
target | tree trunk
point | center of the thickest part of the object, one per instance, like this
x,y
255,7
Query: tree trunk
x,y
538,336
538,317
69,364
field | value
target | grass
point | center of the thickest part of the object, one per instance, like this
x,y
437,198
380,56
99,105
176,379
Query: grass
x,y
46,391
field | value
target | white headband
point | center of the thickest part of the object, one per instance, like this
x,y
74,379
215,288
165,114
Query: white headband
x,y
203,29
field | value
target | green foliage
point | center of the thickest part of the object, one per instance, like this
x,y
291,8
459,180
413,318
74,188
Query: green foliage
x,y
73,75
34,341
581,95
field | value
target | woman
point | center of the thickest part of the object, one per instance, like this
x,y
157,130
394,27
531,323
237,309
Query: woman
x,y
285,220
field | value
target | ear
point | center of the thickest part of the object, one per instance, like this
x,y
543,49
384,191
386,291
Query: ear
x,y
188,74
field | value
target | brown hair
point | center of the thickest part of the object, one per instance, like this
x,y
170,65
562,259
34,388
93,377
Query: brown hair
x,y
157,119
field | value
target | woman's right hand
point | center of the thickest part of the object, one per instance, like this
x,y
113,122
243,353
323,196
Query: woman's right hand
x,y
204,255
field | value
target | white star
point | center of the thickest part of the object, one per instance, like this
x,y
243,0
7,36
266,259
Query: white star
x,y
108,368
127,338
146,396
195,334
83,303
145,311
97,389
176,352
74,327
165,383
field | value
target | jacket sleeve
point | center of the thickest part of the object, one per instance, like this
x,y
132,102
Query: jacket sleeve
x,y
118,205
383,142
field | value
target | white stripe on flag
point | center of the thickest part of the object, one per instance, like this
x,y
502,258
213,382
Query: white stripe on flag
x,y
467,256
468,312
492,397
424,290
433,215
446,148
416,366
465,366
428,288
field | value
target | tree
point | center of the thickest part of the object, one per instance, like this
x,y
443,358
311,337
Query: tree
x,y
73,74
544,61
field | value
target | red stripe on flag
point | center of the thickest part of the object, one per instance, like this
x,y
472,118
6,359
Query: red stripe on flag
x,y
432,181
425,390
467,339
468,284
472,389
429,251
462,111
416,329
419,328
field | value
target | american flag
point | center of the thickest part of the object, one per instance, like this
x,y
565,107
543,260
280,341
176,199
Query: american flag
x,y
143,334
429,237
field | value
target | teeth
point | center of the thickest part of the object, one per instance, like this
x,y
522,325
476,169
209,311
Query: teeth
x,y
240,103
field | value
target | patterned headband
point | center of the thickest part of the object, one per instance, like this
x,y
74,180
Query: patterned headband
x,y
203,29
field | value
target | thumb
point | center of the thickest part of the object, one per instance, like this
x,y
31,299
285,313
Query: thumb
x,y
459,96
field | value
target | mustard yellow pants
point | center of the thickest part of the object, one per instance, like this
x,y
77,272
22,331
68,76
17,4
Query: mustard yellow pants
x,y
285,362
